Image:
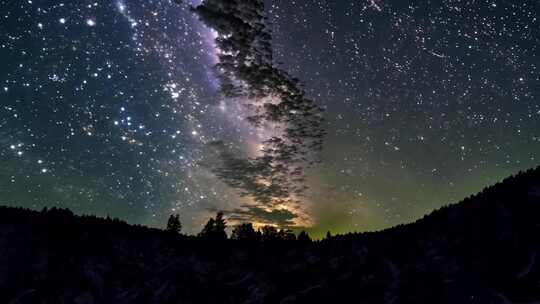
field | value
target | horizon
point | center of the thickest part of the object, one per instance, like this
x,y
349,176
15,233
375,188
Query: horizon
x,y
315,234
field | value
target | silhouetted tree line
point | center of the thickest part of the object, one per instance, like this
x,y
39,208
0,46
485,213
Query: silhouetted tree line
x,y
486,246
215,230
64,221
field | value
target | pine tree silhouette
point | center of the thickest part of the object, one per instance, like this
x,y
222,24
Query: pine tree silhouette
x,y
206,232
269,233
215,228
220,226
173,224
303,237
245,232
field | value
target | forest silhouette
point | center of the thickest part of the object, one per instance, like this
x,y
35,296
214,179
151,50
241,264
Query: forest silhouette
x,y
484,248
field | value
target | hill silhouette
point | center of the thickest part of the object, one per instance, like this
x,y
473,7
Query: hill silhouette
x,y
484,249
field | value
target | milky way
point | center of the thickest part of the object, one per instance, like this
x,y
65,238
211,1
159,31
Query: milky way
x,y
111,107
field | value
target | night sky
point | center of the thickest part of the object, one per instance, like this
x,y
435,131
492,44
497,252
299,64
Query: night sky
x,y
115,108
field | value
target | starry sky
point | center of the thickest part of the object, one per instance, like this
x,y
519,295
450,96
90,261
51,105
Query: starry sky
x,y
115,108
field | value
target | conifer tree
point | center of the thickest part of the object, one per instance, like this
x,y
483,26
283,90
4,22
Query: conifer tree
x,y
215,228
303,237
244,232
269,233
173,224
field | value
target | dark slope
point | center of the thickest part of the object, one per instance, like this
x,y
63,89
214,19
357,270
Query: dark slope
x,y
485,249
